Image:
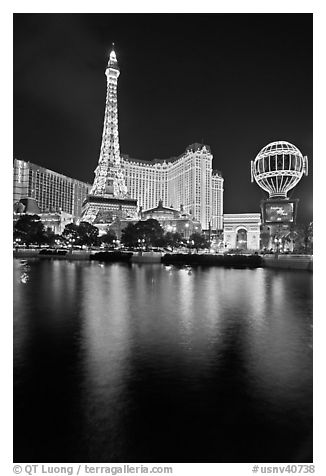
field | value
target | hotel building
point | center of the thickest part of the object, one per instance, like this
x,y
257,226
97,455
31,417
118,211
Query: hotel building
x,y
186,181
52,191
123,184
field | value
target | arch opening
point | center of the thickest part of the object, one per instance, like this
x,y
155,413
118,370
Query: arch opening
x,y
241,240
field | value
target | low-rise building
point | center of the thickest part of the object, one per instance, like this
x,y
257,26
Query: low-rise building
x,y
171,220
54,221
242,231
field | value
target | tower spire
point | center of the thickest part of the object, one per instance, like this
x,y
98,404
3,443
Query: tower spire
x,y
109,174
109,181
113,63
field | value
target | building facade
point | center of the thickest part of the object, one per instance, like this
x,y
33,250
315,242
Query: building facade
x,y
174,221
242,231
54,222
187,182
52,191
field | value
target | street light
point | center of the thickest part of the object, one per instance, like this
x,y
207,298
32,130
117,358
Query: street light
x,y
278,242
187,230
72,241
17,240
141,242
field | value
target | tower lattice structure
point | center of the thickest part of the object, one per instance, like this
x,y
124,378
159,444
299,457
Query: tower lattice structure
x,y
109,181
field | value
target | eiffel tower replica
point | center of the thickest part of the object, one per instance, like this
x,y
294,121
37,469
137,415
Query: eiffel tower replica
x,y
108,199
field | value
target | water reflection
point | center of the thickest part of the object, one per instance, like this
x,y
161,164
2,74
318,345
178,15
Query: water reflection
x,y
280,348
154,363
186,304
105,348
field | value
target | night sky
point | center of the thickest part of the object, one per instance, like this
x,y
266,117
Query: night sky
x,y
233,81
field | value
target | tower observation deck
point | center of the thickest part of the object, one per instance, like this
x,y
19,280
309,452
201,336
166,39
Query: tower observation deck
x,y
108,197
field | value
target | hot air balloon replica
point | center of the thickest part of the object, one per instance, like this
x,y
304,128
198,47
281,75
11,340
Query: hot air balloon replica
x,y
277,169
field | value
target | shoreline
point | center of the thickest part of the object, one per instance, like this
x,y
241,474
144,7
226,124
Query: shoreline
x,y
295,262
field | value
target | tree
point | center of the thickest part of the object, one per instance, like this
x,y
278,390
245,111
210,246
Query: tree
x,y
88,234
128,236
83,234
30,229
148,233
71,233
303,238
172,239
52,238
108,238
265,236
199,241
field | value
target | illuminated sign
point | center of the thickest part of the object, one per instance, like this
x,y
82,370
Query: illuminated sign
x,y
279,212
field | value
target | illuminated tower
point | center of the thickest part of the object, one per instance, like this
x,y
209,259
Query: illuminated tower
x,y
277,169
109,190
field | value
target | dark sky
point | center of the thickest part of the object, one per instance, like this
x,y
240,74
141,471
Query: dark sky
x,y
234,81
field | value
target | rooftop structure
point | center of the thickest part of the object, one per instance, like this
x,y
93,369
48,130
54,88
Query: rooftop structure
x,y
278,167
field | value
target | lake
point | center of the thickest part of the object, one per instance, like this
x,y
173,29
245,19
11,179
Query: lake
x,y
153,363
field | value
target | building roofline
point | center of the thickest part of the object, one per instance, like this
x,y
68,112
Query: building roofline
x,y
192,147
41,167
241,215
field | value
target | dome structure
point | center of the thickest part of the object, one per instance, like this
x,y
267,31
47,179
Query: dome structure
x,y
278,167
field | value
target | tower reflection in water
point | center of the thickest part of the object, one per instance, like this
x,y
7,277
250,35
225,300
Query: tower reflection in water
x,y
147,363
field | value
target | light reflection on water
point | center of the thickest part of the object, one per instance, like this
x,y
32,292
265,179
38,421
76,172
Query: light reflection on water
x,y
154,363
